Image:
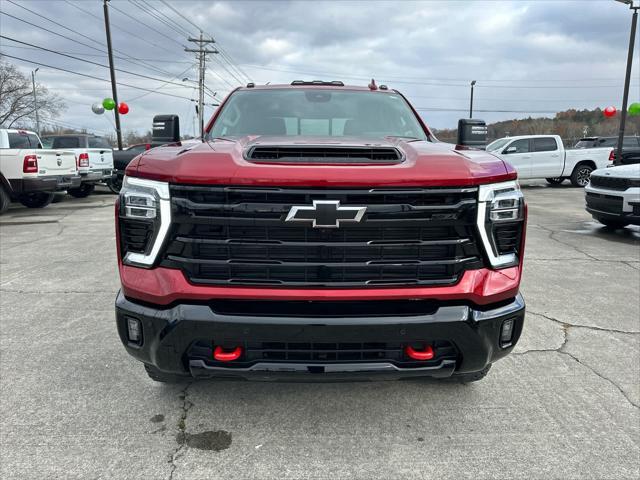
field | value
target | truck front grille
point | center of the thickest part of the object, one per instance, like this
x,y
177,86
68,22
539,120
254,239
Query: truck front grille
x,y
613,183
604,203
238,235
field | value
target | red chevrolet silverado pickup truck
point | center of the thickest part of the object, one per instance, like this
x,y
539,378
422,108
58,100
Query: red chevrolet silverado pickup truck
x,y
319,232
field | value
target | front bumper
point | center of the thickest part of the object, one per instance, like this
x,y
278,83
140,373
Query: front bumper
x,y
180,339
616,205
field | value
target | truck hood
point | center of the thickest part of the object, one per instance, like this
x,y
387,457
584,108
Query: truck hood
x,y
223,162
622,171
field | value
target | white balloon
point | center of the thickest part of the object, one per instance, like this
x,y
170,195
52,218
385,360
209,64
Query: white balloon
x,y
97,108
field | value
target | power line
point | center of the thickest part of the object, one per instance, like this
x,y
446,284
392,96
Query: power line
x,y
436,109
93,77
116,26
101,56
164,36
429,82
126,58
157,17
223,54
91,62
165,84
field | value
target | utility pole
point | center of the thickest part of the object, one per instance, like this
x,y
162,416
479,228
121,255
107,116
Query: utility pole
x,y
473,84
35,99
634,5
202,51
114,90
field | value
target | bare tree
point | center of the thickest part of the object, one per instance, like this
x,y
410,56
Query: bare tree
x,y
17,106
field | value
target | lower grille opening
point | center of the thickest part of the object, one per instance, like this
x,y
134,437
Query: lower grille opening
x,y
604,203
325,352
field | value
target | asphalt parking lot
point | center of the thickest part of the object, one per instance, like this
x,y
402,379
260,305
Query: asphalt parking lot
x,y
73,404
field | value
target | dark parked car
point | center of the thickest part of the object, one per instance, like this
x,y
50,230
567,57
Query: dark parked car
x,y
630,147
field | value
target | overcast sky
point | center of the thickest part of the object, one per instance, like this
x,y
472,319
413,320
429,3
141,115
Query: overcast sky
x,y
528,57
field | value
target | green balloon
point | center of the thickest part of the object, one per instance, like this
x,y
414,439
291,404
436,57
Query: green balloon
x,y
634,109
108,104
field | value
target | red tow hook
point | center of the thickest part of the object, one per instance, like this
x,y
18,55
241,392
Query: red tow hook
x,y
426,354
222,356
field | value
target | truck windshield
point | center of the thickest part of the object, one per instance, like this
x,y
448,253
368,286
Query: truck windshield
x,y
497,144
317,112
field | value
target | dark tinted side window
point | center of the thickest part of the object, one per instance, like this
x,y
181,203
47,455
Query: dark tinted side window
x,y
630,142
607,142
98,142
23,140
521,146
66,142
546,144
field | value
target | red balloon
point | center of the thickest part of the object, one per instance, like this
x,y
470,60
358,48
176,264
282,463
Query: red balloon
x,y
610,111
123,108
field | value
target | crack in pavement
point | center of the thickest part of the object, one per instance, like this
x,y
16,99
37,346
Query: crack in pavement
x,y
182,431
589,327
562,350
566,244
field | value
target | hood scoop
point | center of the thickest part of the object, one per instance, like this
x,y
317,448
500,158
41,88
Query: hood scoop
x,y
324,155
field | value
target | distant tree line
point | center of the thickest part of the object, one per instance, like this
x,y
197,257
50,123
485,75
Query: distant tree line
x,y
571,125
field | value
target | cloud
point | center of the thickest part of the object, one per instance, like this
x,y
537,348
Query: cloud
x,y
574,52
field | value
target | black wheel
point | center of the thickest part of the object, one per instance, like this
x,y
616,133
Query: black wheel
x,y
5,200
162,377
470,377
555,181
612,223
36,199
82,191
115,184
580,175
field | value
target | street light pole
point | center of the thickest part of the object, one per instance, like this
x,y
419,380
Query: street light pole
x,y
635,6
35,99
473,84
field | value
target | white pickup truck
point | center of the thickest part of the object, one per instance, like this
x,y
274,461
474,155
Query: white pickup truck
x,y
544,156
29,173
95,159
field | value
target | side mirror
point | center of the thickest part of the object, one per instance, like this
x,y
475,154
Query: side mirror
x,y
472,133
510,150
166,129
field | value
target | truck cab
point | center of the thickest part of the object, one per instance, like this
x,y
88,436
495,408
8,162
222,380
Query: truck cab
x,y
95,159
544,156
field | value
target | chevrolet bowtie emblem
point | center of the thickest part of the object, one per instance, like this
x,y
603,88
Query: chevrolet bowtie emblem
x,y
325,214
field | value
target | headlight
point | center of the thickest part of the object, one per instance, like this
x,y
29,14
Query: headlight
x,y
144,219
501,221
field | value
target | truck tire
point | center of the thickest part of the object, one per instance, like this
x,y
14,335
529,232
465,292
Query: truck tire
x,y
555,180
580,175
470,377
5,200
162,377
82,191
612,223
36,199
115,184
